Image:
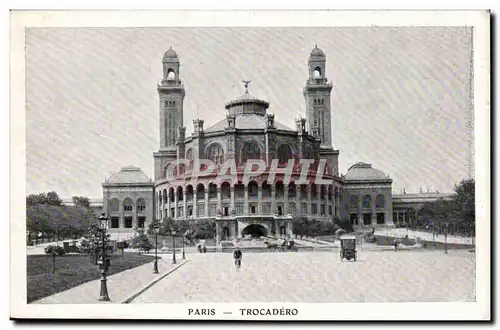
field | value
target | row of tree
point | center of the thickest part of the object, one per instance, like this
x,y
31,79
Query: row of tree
x,y
52,198
455,216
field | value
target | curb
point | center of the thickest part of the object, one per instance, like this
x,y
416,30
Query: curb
x,y
150,284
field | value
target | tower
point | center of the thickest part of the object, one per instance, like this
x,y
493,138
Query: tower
x,y
317,93
171,93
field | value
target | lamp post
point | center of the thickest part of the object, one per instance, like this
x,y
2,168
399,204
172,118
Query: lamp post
x,y
156,228
173,240
183,243
103,223
446,238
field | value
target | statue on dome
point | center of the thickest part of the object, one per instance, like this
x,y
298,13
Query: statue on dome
x,y
246,83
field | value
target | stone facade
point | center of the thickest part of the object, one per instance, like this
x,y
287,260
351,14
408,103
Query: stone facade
x,y
128,199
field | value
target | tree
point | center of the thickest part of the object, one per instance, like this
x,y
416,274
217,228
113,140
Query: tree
x,y
54,251
122,245
81,200
53,198
464,203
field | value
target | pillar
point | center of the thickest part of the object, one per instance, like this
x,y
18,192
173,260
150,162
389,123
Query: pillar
x,y
176,204
259,199
195,204
219,199
232,199
309,208
206,200
318,200
374,209
245,205
298,201
184,203
285,200
168,207
360,209
273,199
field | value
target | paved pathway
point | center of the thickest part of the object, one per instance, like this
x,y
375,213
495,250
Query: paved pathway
x,y
320,277
120,286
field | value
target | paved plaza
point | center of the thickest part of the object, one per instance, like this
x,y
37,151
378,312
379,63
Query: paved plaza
x,y
320,277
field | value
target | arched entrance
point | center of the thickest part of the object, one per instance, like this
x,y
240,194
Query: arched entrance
x,y
254,230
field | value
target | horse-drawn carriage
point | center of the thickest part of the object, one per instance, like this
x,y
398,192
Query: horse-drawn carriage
x,y
347,248
283,247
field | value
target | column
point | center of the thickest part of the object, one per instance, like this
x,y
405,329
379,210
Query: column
x,y
273,199
167,214
184,203
232,200
290,228
219,200
245,205
309,208
259,199
374,209
285,200
360,209
298,201
195,204
318,197
176,204
206,200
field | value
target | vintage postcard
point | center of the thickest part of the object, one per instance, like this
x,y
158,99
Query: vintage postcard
x,y
250,165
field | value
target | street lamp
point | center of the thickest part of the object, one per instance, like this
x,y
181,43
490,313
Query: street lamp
x,y
156,228
173,240
183,253
103,224
446,238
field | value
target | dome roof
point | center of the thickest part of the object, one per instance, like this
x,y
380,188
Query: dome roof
x,y
317,52
365,172
129,174
170,54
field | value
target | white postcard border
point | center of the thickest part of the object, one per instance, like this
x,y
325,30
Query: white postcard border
x,y
346,311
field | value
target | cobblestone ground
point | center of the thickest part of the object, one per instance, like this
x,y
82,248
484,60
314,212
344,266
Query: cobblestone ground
x,y
320,277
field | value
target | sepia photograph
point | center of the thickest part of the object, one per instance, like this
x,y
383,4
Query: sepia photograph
x,y
253,170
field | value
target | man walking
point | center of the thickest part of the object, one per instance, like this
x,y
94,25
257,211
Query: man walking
x,y
237,255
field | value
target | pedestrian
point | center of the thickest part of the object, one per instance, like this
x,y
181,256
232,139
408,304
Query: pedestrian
x,y
396,242
237,255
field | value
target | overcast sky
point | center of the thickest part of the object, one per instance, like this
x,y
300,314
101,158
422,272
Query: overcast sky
x,y
400,99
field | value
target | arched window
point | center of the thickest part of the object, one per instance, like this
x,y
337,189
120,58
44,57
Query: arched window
x,y
315,102
114,205
226,190
128,205
284,153
165,195
141,205
170,74
215,153
380,201
367,202
353,202
253,189
250,150
317,72
171,194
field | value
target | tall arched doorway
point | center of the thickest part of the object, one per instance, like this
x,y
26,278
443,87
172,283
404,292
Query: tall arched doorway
x,y
255,231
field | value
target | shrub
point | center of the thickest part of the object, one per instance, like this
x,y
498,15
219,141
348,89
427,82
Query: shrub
x,y
122,245
54,251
